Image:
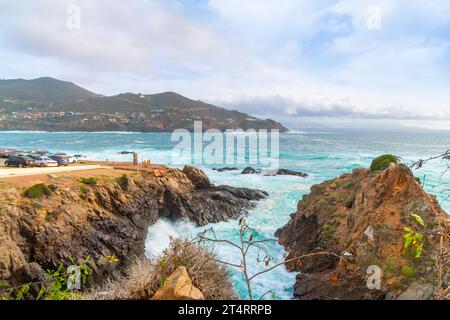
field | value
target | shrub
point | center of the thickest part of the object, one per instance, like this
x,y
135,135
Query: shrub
x,y
328,231
143,278
89,181
37,205
38,191
123,181
382,162
407,271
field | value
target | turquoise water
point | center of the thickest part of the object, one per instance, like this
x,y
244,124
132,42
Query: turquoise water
x,y
323,155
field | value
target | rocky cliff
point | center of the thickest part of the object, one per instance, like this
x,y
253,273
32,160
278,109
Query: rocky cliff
x,y
104,217
373,221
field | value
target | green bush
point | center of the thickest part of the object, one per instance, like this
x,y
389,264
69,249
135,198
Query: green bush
x,y
38,191
89,181
382,162
407,271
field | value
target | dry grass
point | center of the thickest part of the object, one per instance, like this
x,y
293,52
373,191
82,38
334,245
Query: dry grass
x,y
143,278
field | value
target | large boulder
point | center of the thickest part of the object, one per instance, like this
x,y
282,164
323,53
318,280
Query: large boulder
x,y
178,287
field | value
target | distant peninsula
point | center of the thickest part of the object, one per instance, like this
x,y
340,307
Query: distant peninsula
x,y
47,104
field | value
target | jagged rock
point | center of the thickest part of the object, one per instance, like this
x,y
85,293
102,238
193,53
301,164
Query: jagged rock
x,y
178,286
275,172
250,170
287,172
198,177
109,219
361,217
225,169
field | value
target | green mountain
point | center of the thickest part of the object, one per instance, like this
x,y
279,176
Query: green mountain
x,y
42,90
54,105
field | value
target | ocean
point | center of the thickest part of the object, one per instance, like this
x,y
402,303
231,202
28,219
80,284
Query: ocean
x,y
322,154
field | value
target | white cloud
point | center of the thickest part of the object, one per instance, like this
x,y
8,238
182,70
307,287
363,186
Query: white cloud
x,y
277,58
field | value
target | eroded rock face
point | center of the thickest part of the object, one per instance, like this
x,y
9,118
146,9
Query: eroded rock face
x,y
362,217
108,219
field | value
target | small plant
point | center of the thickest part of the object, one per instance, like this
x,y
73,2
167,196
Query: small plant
x,y
414,241
407,271
89,181
328,231
123,181
108,260
38,191
59,283
37,205
83,190
382,162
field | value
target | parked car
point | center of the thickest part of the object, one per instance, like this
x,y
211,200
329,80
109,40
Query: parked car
x,y
19,162
64,155
72,160
62,161
17,153
45,162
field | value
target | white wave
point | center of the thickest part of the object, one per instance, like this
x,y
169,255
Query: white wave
x,y
159,234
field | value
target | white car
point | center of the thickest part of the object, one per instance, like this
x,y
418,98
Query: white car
x,y
45,162
72,160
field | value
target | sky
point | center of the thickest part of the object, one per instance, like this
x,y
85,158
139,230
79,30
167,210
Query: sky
x,y
307,63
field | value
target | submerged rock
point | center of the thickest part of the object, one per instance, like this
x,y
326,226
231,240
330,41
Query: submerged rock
x,y
250,170
361,219
225,169
274,172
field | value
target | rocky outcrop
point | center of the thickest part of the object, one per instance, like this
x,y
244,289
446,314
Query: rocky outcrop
x,y
104,217
198,177
287,172
224,169
365,219
178,286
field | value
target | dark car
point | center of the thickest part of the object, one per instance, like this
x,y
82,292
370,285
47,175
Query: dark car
x,y
62,160
19,162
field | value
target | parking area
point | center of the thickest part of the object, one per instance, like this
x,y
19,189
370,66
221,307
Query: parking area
x,y
6,172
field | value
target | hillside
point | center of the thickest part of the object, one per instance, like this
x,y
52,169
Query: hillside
x,y
53,105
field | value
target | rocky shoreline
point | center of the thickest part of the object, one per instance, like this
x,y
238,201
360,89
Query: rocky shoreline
x,y
104,216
